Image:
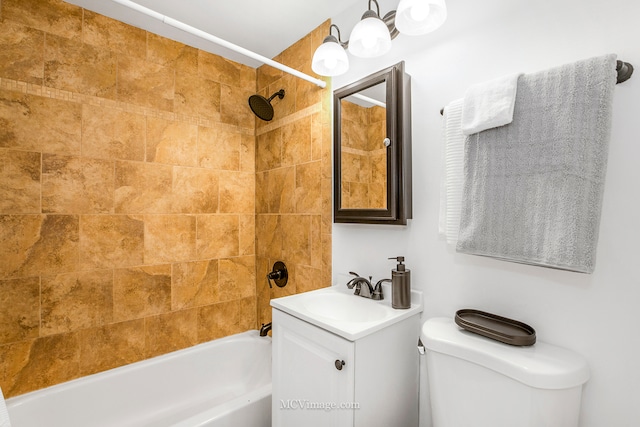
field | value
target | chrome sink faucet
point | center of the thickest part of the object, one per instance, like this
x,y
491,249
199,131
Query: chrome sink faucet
x,y
364,287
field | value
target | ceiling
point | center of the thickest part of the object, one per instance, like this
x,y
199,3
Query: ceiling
x,y
264,27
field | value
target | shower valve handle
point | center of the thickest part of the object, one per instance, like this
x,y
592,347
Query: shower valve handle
x,y
278,274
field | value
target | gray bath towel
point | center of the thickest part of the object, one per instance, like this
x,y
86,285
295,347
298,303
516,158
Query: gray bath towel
x,y
533,188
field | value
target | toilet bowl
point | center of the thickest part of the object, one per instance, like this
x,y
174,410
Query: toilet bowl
x,y
478,382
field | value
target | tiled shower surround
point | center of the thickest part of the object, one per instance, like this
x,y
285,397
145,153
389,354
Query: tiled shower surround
x,y
141,203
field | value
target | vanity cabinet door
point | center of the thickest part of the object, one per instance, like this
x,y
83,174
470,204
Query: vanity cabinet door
x,y
310,383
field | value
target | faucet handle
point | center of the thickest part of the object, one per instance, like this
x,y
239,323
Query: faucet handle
x,y
377,290
353,282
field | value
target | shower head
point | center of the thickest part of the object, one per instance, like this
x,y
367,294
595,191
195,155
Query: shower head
x,y
261,106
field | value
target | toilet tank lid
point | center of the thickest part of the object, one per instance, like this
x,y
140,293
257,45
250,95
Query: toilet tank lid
x,y
541,365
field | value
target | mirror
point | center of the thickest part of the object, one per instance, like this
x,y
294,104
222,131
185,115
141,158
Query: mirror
x,y
372,149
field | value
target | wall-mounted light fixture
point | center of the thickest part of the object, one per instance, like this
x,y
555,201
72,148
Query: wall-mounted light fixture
x,y
372,35
330,58
417,17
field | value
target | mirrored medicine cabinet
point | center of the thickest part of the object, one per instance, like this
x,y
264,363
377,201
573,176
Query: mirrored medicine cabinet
x,y
372,149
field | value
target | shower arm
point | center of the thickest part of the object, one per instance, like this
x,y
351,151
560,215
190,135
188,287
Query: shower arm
x,y
209,37
279,94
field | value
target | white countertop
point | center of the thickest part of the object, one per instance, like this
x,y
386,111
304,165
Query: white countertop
x,y
337,310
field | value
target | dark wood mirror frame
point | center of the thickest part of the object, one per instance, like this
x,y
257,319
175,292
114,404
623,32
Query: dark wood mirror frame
x,y
398,126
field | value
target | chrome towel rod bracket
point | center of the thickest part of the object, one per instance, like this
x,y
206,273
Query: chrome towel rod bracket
x,y
624,69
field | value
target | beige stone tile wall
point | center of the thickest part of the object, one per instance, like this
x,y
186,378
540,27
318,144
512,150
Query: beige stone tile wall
x,y
363,158
293,177
127,195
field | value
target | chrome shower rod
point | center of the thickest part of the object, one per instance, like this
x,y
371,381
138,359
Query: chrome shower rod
x,y
221,42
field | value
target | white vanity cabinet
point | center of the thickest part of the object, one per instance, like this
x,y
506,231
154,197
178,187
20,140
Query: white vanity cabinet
x,y
376,386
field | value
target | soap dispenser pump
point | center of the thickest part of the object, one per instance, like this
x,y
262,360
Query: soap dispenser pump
x,y
400,285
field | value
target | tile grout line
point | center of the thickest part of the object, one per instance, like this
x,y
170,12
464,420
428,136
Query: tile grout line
x,y
79,98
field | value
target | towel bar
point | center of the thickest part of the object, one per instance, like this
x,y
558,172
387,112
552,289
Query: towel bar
x,y
624,69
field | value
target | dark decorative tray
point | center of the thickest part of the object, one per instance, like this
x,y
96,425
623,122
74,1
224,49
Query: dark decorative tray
x,y
496,327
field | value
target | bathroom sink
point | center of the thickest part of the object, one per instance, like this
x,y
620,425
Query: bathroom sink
x,y
338,310
345,307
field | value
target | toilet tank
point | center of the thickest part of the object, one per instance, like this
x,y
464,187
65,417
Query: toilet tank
x,y
476,381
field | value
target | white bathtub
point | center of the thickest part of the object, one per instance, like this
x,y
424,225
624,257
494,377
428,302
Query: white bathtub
x,y
225,382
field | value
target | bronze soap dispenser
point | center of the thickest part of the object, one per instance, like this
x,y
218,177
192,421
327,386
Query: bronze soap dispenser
x,y
400,285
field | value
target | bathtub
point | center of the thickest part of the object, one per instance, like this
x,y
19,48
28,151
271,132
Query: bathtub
x,y
225,382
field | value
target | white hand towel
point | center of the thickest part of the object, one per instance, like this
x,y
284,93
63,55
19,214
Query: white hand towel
x,y
453,173
490,104
4,414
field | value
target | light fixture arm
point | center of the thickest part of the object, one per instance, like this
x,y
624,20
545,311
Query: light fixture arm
x,y
390,21
377,6
339,39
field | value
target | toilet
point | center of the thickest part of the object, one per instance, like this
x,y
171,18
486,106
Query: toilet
x,y
479,382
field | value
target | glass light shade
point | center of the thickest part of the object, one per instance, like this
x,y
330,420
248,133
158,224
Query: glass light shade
x,y
370,38
416,17
330,59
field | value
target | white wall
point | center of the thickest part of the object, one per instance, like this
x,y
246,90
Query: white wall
x,y
591,314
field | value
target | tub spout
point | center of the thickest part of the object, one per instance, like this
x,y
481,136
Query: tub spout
x,y
264,329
